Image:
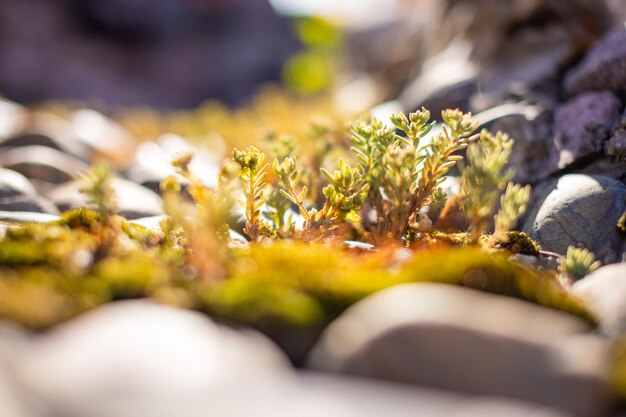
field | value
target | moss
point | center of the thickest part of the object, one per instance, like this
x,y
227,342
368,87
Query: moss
x,y
79,218
37,244
337,279
132,276
492,272
141,233
513,242
38,298
447,239
253,301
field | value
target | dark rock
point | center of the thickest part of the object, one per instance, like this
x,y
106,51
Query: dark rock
x,y
169,54
608,167
604,292
603,68
31,202
43,164
616,146
390,51
447,80
18,194
46,129
618,11
534,156
579,210
530,57
583,124
463,340
13,184
133,200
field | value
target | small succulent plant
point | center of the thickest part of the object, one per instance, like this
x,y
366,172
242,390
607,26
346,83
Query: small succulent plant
x,y
578,263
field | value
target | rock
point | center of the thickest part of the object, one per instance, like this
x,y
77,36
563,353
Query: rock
x,y
133,200
46,129
105,138
618,11
448,80
153,162
129,53
616,146
534,156
152,222
18,194
12,117
12,340
604,291
583,124
603,68
13,183
608,167
26,217
529,57
579,210
42,163
31,203
463,340
132,356
136,359
360,397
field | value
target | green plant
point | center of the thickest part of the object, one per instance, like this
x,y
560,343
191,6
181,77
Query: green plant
x,y
253,175
577,263
394,193
486,178
405,174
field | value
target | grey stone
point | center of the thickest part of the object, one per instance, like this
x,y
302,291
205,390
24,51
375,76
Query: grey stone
x,y
26,217
463,340
17,193
132,356
45,129
13,183
105,138
579,210
603,68
30,202
132,200
584,124
42,163
12,117
13,402
153,162
135,359
604,292
616,146
377,398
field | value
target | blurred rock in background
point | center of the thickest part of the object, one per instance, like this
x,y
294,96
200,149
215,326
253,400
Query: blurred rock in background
x,y
166,54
